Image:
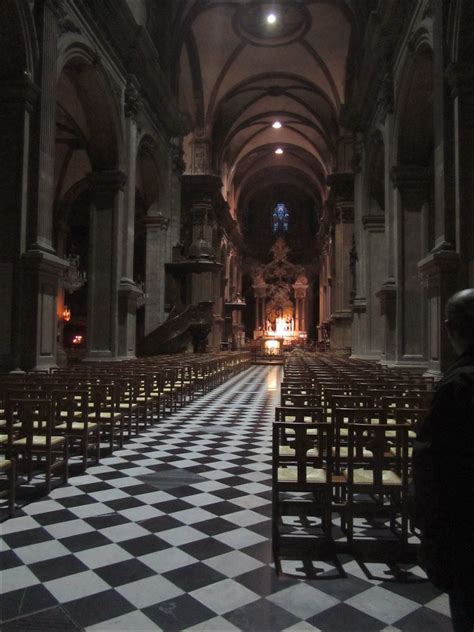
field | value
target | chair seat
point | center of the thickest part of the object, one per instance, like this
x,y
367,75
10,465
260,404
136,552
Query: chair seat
x,y
126,406
286,450
77,425
3,438
290,475
344,452
366,477
40,440
5,464
310,431
106,415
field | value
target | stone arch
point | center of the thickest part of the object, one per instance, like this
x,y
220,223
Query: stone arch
x,y
413,179
414,110
100,100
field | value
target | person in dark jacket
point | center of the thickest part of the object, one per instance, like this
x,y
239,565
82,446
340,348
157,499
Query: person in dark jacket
x,y
443,471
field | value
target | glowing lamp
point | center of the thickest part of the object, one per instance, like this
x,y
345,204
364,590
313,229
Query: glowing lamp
x,y
77,340
66,314
279,151
271,18
276,125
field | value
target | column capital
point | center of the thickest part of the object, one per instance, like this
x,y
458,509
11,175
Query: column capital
x,y
132,101
413,183
373,223
432,269
345,213
411,176
342,185
105,185
176,153
156,221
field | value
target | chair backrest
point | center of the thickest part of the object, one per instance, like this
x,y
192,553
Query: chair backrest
x,y
380,449
301,400
288,414
70,405
319,442
27,417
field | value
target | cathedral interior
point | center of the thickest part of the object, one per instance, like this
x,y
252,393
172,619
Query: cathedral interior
x,y
192,193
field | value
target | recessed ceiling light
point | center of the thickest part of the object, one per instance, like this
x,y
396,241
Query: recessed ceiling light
x,y
271,18
279,151
276,125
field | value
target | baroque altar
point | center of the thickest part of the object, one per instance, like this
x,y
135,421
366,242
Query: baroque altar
x,y
280,290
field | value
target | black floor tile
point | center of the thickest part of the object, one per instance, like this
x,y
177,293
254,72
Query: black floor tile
x,y
124,572
178,614
53,620
97,608
264,581
261,615
143,545
194,576
424,619
204,549
344,618
27,537
22,602
85,541
59,567
160,523
8,559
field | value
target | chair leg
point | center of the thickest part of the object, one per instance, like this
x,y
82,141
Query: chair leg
x,y
12,490
66,462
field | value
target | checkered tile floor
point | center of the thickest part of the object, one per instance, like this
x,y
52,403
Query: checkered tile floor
x,y
173,533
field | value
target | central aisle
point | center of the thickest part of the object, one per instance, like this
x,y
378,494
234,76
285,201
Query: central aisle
x,y
173,532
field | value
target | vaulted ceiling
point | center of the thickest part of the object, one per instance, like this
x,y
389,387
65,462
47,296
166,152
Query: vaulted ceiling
x,y
239,73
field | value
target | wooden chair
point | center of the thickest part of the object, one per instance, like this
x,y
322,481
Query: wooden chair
x,y
8,483
33,439
377,476
71,415
309,469
104,398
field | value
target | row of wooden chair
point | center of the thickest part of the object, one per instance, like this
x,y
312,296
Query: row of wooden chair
x,y
46,417
342,442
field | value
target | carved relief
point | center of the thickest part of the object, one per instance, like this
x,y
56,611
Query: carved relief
x,y
132,102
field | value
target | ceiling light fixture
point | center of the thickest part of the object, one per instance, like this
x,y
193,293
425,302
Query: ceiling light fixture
x,y
271,18
279,151
276,125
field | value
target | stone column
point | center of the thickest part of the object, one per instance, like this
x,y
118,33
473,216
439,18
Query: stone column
x,y
461,80
104,264
413,185
128,290
438,275
301,288
341,316
156,238
40,237
371,260
260,291
17,102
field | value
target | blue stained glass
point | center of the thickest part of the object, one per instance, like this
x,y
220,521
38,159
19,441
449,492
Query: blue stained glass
x,y
280,218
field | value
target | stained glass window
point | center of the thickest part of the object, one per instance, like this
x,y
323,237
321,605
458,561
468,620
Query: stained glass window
x,y
280,218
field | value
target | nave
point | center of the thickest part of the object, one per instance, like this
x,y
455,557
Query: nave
x,y
173,532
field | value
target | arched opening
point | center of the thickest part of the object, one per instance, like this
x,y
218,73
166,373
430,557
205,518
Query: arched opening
x,y
414,181
85,143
